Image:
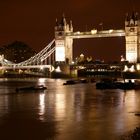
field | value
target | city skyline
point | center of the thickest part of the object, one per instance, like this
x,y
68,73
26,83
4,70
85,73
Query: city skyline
x,y
33,23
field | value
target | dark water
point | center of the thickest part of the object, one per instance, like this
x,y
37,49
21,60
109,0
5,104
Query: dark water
x,y
72,112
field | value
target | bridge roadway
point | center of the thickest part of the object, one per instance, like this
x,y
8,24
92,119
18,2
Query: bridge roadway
x,y
96,34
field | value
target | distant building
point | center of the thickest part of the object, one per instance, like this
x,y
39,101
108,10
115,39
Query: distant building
x,y
17,52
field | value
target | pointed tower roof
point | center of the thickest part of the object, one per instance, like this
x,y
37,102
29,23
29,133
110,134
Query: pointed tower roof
x,y
71,26
127,17
56,22
63,20
133,15
136,16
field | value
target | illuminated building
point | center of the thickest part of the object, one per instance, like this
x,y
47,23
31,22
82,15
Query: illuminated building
x,y
132,37
63,44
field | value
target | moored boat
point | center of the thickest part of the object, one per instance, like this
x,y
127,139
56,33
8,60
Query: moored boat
x,y
38,87
117,85
70,82
78,81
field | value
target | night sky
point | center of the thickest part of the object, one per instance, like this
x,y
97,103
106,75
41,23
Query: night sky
x,y
33,22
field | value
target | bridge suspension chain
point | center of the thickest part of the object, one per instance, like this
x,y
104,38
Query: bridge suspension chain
x,y
39,57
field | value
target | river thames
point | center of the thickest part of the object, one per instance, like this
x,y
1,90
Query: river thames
x,y
66,112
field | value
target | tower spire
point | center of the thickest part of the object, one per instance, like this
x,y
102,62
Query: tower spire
x,y
131,2
63,21
71,26
56,22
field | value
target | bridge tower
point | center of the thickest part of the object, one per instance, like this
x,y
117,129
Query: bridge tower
x,y
132,37
63,44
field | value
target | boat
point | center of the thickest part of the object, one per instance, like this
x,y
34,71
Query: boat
x,y
106,84
117,85
70,82
78,81
34,88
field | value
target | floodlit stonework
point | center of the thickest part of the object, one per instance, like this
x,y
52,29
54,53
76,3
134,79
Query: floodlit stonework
x,y
132,37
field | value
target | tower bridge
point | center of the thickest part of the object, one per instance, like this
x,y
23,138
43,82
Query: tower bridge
x,y
61,48
64,36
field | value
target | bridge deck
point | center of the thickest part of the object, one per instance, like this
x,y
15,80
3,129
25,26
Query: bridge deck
x,y
96,34
25,67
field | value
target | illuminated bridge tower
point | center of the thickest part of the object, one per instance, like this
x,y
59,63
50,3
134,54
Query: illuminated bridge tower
x,y
63,44
132,37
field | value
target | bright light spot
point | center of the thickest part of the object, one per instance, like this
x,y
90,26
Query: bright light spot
x,y
111,30
58,69
132,69
81,55
94,31
1,57
41,67
131,57
78,32
20,71
122,58
72,62
60,50
138,67
52,68
60,53
125,68
41,80
133,80
81,67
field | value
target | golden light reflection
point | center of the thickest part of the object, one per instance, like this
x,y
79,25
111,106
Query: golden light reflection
x,y
79,98
130,99
41,106
128,108
4,103
41,80
131,103
60,106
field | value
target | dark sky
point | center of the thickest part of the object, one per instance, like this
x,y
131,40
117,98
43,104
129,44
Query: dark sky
x,y
32,21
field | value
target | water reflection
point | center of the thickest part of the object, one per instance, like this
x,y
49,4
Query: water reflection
x,y
78,104
41,106
130,98
67,112
60,106
3,105
41,81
